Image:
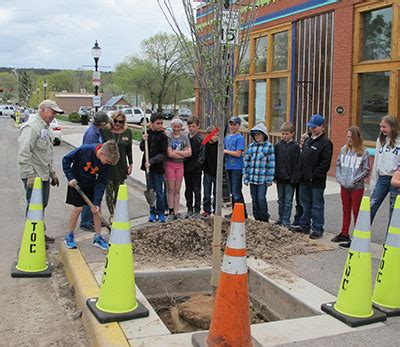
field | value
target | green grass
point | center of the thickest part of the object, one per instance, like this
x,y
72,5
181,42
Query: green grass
x,y
62,117
137,134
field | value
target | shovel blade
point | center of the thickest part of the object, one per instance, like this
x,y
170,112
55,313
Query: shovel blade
x,y
150,196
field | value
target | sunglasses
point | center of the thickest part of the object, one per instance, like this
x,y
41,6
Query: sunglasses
x,y
119,121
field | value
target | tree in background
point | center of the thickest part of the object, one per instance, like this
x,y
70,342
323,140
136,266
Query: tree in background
x,y
8,87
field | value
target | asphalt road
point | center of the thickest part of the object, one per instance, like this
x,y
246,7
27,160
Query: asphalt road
x,y
33,312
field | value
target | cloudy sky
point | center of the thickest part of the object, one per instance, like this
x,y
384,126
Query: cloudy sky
x,y
60,33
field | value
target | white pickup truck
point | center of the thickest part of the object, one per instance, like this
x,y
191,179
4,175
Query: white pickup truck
x,y
7,111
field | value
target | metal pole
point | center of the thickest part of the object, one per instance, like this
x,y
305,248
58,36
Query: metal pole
x,y
96,88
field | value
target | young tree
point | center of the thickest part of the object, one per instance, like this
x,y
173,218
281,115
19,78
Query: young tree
x,y
218,49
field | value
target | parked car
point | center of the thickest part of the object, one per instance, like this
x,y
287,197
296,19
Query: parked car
x,y
7,111
85,110
55,130
168,113
184,113
135,115
245,120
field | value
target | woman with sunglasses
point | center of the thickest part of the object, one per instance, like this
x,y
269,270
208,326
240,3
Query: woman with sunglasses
x,y
122,135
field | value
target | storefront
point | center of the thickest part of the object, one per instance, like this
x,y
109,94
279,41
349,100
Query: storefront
x,y
340,59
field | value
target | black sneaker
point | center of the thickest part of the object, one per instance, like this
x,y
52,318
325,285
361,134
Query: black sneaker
x,y
228,216
345,244
341,238
296,228
315,235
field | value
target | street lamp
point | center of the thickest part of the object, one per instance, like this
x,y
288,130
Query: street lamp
x,y
96,53
45,89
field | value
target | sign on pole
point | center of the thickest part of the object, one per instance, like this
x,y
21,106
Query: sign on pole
x,y
96,78
230,27
97,101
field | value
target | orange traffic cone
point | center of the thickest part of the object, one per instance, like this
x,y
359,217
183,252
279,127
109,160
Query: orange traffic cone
x,y
230,322
354,301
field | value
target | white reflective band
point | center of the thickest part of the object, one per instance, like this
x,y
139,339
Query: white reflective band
x,y
237,236
120,237
234,265
360,245
393,240
36,197
121,211
395,221
363,221
35,215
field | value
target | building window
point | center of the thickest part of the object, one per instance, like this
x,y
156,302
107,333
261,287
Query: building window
x,y
265,97
242,92
261,54
278,103
377,34
260,94
376,69
280,58
245,63
374,102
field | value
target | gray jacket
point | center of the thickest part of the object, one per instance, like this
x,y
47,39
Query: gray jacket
x,y
351,169
35,150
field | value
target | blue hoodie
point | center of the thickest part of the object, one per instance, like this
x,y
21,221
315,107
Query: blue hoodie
x,y
83,165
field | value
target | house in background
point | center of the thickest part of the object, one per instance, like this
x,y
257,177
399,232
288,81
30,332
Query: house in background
x,y
71,102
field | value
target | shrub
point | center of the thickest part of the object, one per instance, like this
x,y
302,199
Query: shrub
x,y
75,117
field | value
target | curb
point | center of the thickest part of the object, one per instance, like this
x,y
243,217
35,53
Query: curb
x,y
85,286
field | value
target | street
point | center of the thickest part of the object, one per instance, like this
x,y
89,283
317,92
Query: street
x,y
35,311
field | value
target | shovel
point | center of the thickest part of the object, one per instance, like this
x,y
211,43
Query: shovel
x,y
149,192
90,204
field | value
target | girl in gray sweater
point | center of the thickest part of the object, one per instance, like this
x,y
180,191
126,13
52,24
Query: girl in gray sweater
x,y
352,168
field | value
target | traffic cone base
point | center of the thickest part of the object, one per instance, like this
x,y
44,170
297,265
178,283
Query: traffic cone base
x,y
106,317
377,316
390,312
200,340
19,273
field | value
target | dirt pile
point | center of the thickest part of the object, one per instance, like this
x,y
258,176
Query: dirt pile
x,y
191,239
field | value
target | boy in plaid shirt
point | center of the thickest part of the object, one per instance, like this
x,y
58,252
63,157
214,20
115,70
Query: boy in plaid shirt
x,y
259,170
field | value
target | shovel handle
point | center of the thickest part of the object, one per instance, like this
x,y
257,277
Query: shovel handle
x,y
146,144
91,205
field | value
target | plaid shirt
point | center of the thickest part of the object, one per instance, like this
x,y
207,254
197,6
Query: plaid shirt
x,y
259,163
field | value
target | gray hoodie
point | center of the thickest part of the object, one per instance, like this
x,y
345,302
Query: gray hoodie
x,y
260,127
351,169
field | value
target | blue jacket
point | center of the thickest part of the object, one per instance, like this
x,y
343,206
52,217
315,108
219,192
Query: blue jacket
x,y
92,135
83,165
259,161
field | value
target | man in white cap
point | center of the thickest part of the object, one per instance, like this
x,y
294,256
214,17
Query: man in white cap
x,y
35,152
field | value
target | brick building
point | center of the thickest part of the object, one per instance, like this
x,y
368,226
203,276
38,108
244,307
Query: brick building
x,y
337,58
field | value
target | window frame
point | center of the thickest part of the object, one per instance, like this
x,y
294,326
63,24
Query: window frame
x,y
267,75
391,65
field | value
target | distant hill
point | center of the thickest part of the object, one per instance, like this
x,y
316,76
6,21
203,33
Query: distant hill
x,y
38,71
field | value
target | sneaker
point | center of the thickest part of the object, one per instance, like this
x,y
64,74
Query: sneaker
x,y
315,235
278,222
345,244
171,217
341,238
177,216
205,214
162,218
99,241
189,214
49,239
152,218
69,241
87,228
296,228
228,216
196,216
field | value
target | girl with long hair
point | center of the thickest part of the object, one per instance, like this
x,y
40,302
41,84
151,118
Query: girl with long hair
x,y
387,156
122,135
352,168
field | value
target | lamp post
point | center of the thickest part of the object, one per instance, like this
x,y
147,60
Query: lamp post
x,y
96,53
45,89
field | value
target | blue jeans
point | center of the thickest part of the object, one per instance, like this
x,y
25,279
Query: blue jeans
x,y
209,192
156,181
45,193
86,217
382,188
285,202
312,201
258,194
235,185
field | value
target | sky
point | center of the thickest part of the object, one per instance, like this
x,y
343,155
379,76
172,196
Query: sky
x,y
59,34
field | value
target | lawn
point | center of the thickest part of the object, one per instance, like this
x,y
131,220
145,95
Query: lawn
x,y
137,134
